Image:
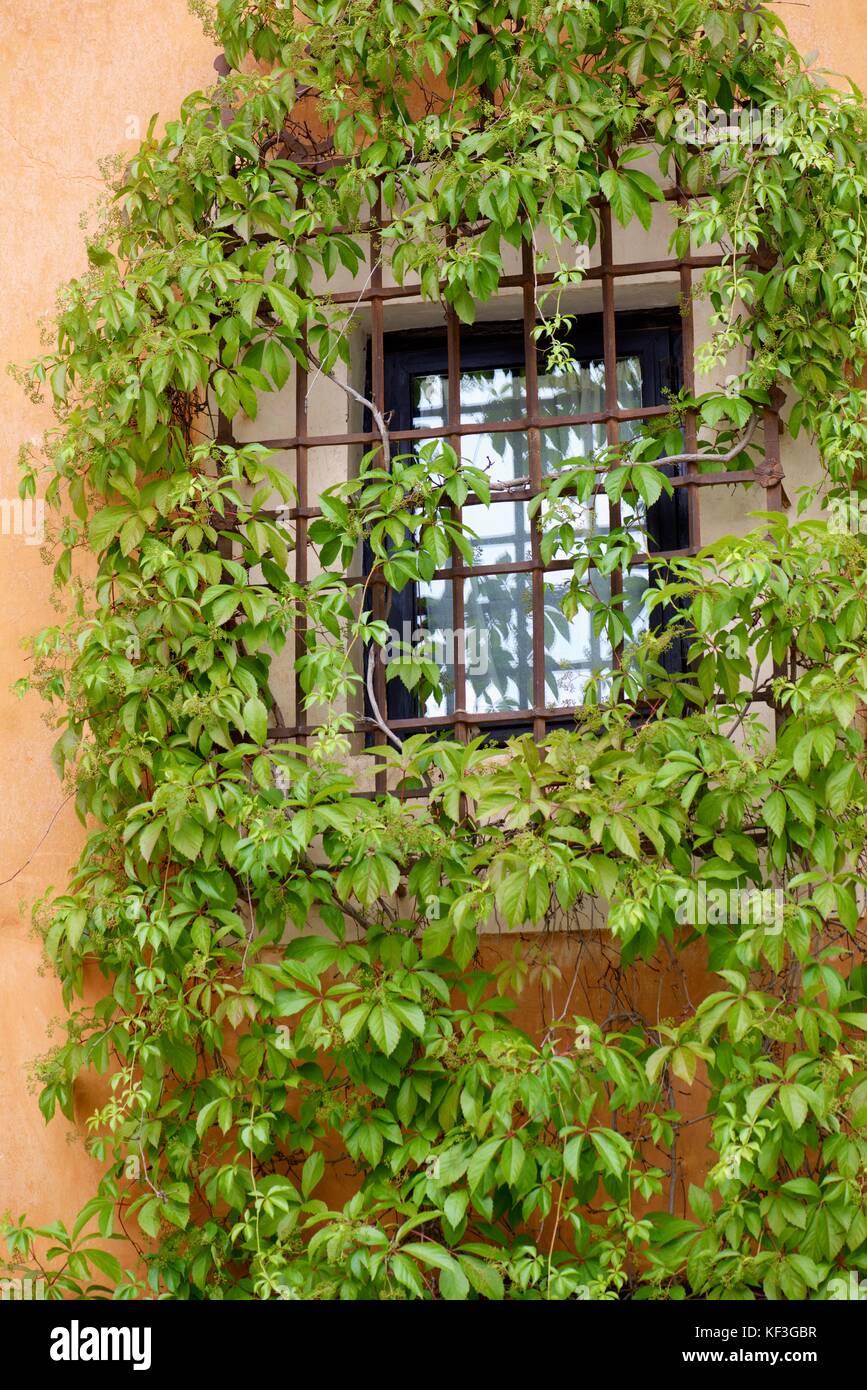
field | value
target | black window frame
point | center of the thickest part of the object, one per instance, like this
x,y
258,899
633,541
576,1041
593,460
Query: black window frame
x,y
654,336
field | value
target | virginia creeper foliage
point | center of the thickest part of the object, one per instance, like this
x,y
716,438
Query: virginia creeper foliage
x,y
313,1088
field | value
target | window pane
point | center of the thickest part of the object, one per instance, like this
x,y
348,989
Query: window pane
x,y
498,642
580,390
501,532
434,609
498,608
497,638
497,394
499,622
488,397
572,650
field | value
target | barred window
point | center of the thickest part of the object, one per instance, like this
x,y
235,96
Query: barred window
x,y
514,655
487,391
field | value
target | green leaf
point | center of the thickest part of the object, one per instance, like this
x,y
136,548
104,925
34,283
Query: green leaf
x,y
187,837
455,1207
794,1106
625,836
107,1264
480,1160
512,1161
453,1282
436,939
353,1021
149,837
284,303
311,1173
407,1273
511,898
701,1204
619,193
385,1029
150,1217
256,719
485,1279
614,1151
207,1116
774,812
410,1015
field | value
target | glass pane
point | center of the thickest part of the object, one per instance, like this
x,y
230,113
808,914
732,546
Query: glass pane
x,y
572,650
499,622
492,397
580,390
497,642
487,397
498,394
498,608
434,609
501,532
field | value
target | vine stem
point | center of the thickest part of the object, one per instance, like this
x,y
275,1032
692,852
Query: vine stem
x,y
377,714
350,391
44,837
514,484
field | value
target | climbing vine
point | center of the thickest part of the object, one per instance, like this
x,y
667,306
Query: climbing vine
x,y
313,1087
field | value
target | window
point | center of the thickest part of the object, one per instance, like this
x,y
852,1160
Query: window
x,y
521,659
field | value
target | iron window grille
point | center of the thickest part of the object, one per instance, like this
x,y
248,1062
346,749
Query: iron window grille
x,y
767,472
498,650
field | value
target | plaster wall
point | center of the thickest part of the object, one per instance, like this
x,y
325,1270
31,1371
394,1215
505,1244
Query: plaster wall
x,y
80,81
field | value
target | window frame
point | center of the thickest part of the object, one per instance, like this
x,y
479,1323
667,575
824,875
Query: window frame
x,y
654,336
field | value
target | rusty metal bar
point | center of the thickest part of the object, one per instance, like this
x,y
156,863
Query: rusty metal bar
x,y
453,407
508,282
690,432
726,479
424,722
609,346
377,391
475,571
516,426
534,461
638,561
301,483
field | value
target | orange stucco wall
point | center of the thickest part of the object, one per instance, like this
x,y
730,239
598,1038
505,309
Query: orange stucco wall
x,y
80,76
